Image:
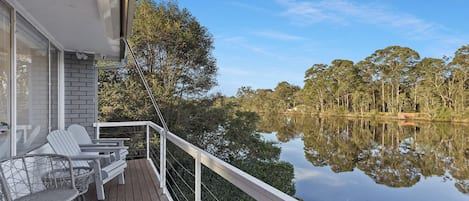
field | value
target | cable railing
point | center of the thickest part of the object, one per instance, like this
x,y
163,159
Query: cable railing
x,y
179,181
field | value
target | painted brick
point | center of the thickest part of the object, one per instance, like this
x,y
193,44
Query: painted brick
x,y
80,92
78,102
78,83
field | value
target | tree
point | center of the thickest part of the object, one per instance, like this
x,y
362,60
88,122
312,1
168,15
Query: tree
x,y
345,75
316,87
392,65
429,77
285,94
174,48
460,76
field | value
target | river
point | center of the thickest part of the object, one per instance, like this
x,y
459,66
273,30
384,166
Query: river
x,y
338,159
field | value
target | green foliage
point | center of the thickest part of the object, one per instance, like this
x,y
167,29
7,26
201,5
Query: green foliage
x,y
391,80
442,114
278,174
285,94
176,53
175,48
285,97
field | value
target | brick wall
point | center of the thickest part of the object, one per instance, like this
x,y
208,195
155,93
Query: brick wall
x,y
80,91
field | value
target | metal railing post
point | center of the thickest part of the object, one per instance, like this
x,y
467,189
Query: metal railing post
x,y
198,178
163,160
97,131
148,141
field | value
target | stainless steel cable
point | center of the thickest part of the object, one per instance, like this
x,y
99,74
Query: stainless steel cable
x,y
177,186
192,174
180,176
147,87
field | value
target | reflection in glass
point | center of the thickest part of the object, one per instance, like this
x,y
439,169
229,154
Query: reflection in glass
x,y
32,86
5,54
54,88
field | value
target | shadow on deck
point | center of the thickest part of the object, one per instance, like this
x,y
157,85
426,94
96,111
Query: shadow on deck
x,y
141,184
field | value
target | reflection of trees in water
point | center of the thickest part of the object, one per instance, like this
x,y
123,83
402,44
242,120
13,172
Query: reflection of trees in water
x,y
391,169
389,153
286,127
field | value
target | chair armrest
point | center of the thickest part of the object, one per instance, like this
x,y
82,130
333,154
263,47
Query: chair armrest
x,y
110,139
102,149
99,145
89,145
85,157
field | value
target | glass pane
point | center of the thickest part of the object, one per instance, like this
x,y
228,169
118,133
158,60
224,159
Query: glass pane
x,y
5,55
32,86
54,88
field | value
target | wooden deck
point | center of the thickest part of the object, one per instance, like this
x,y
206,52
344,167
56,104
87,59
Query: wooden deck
x,y
141,184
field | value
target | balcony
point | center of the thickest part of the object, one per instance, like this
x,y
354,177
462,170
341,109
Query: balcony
x,y
156,172
141,184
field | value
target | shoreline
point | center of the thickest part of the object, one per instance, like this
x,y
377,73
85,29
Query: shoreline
x,y
381,115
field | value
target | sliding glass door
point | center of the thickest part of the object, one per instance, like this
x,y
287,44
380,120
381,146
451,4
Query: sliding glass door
x,y
5,80
29,90
34,82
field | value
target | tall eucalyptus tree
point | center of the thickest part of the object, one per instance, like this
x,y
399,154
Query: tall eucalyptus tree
x,y
393,64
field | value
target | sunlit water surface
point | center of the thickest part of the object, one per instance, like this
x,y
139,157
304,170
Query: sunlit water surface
x,y
360,160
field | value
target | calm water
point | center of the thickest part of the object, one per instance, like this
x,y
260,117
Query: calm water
x,y
361,160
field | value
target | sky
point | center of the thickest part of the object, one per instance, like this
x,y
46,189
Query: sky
x,y
259,43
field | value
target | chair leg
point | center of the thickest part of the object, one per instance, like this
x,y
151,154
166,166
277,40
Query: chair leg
x,y
98,180
121,178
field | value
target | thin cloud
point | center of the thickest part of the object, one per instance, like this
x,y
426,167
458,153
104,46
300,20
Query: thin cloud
x,y
234,39
236,71
248,7
241,41
343,13
278,35
259,50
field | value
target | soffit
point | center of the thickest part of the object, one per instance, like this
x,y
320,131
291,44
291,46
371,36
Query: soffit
x,y
91,26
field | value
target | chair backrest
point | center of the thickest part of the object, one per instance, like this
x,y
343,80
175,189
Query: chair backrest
x,y
4,194
25,175
63,143
80,134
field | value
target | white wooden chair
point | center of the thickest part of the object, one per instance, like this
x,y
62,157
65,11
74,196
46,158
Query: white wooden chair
x,y
34,177
63,143
84,140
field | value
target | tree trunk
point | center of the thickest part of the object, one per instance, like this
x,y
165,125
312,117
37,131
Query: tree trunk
x,y
415,97
382,99
398,104
392,97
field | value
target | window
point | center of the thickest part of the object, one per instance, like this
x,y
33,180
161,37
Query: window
x,y
36,87
5,67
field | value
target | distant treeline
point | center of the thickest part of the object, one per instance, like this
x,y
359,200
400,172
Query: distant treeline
x,y
389,81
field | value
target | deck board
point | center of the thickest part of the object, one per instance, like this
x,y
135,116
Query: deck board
x,y
141,184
